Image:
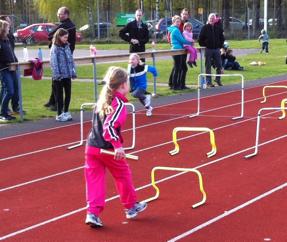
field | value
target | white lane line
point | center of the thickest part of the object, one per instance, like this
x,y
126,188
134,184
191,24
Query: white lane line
x,y
134,152
227,213
160,106
137,189
139,127
41,179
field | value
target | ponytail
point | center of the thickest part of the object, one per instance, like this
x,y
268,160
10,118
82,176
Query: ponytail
x,y
114,77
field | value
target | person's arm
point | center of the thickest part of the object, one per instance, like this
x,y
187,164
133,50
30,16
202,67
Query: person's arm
x,y
124,33
113,122
55,65
152,70
202,37
180,38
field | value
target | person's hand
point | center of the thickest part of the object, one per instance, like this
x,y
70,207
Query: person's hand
x,y
134,41
120,154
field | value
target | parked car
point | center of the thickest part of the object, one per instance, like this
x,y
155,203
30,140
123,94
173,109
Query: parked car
x,y
37,33
163,23
104,27
236,24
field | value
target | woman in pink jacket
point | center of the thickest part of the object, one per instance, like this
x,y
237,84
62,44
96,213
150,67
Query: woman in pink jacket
x,y
188,35
109,117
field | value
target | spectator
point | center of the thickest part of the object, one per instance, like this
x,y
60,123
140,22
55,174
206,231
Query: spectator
x,y
15,98
211,36
65,23
8,77
265,41
177,76
63,69
187,34
228,59
136,33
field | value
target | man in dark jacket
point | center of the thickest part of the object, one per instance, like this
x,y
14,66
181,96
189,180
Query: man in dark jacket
x,y
211,36
65,23
136,33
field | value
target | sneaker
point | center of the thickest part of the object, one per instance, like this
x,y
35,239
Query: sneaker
x,y
7,117
194,63
149,111
68,116
148,100
137,208
219,83
210,85
61,118
53,108
94,221
190,64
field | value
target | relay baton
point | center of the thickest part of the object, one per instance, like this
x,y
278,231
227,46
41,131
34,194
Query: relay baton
x,y
128,156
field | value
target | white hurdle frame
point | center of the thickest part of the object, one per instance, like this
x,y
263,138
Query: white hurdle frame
x,y
258,128
221,75
82,126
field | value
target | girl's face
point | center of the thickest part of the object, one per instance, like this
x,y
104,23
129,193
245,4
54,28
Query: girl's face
x,y
188,28
64,39
177,22
133,61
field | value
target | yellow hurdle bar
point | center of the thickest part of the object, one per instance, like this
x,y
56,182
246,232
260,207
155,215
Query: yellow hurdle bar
x,y
264,91
153,182
283,109
128,156
199,129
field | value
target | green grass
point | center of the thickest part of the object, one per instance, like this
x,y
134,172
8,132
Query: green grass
x,y
36,93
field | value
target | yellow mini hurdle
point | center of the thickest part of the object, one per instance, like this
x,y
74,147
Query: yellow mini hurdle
x,y
153,182
199,129
283,109
269,87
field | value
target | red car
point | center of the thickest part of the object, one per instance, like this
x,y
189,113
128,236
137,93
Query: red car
x,y
37,33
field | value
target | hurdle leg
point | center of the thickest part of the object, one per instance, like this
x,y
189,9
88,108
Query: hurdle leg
x,y
200,180
283,109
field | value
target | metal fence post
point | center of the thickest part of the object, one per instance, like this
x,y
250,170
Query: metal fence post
x,y
95,79
154,78
18,74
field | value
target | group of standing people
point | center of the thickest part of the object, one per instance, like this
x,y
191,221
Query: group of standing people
x,y
9,78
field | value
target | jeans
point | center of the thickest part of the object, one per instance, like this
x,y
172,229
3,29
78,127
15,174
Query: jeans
x,y
8,79
212,54
140,93
265,46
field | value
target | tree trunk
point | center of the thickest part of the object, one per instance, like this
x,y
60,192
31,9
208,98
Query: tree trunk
x,y
256,16
226,14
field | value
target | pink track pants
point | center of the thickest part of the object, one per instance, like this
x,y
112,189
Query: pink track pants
x,y
95,170
192,53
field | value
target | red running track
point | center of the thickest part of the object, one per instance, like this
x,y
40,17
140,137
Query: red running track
x,y
229,181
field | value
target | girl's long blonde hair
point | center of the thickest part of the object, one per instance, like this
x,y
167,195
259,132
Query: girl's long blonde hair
x,y
114,77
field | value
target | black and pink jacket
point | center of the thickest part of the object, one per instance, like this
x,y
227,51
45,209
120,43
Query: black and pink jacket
x,y
106,131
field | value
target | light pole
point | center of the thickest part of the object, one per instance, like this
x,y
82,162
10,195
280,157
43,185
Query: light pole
x,y
265,14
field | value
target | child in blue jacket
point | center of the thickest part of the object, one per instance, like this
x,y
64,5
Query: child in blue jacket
x,y
138,81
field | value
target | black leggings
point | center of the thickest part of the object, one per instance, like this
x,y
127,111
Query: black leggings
x,y
59,86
